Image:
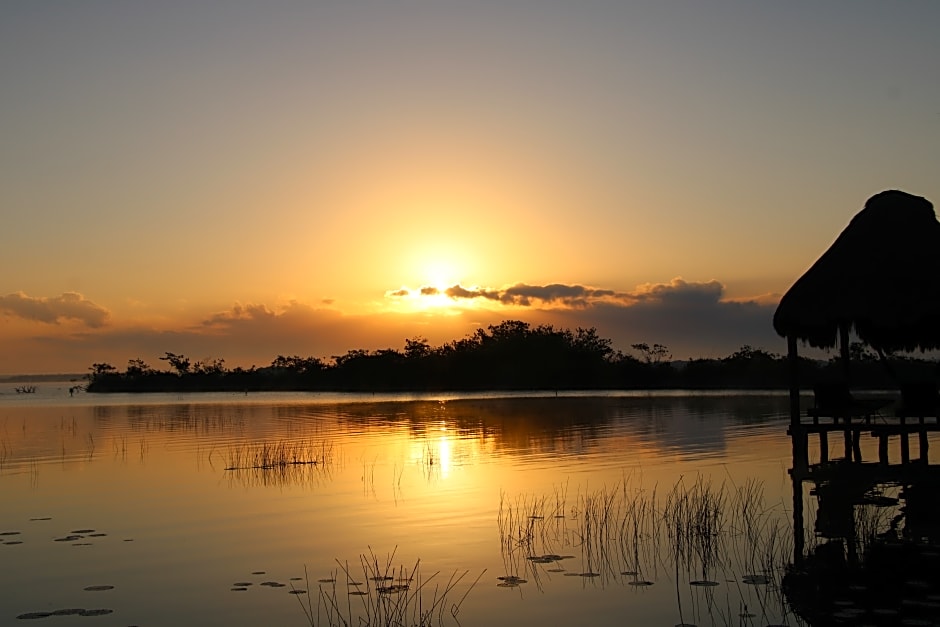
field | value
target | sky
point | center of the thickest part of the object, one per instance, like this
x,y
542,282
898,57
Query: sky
x,y
239,180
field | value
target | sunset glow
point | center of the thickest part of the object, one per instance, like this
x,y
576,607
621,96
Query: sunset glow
x,y
242,181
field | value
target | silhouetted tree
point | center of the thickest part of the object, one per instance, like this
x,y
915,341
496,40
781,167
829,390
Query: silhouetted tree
x,y
180,363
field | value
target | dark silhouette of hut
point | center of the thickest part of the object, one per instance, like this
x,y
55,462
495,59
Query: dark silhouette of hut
x,y
881,277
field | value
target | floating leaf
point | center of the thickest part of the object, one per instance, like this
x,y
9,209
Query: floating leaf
x,y
756,580
297,592
703,582
100,588
32,615
640,583
590,574
72,611
100,612
513,579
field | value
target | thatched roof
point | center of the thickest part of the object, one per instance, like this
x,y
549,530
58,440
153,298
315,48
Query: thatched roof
x,y
881,276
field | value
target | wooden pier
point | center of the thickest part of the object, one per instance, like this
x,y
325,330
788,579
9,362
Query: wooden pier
x,y
882,427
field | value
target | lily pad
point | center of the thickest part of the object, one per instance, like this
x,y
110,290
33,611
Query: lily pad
x,y
707,583
98,612
98,588
756,580
72,611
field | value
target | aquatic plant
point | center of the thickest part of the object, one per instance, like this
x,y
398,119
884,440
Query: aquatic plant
x,y
382,596
274,455
712,537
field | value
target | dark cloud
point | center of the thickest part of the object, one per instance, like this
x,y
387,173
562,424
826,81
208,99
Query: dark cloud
x,y
397,293
458,291
691,318
555,293
52,310
429,291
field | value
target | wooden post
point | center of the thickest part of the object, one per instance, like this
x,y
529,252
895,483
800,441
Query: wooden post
x,y
798,535
844,347
823,447
883,448
857,445
924,447
905,443
798,436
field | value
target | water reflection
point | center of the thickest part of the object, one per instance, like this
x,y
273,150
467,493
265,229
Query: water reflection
x,y
875,551
617,506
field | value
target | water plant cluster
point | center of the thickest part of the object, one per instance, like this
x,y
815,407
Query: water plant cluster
x,y
724,541
509,355
383,594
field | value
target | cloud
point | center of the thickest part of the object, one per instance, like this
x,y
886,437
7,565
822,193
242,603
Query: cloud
x,y
692,318
555,294
577,296
237,313
458,292
52,310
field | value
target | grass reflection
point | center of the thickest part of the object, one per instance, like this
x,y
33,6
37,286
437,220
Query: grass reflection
x,y
722,547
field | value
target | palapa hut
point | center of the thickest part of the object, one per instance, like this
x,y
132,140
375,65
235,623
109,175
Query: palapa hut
x,y
881,277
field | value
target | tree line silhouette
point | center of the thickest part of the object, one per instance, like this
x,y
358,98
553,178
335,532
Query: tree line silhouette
x,y
511,355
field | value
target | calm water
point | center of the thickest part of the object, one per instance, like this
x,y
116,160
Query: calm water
x,y
137,492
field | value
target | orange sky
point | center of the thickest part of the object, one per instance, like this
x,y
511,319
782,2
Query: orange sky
x,y
243,181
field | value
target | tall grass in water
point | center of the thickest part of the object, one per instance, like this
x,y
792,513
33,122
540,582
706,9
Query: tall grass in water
x,y
383,595
699,536
278,463
271,455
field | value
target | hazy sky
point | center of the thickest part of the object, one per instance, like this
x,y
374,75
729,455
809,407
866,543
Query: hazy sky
x,y
240,180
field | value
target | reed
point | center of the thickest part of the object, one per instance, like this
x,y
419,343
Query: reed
x,y
278,455
708,534
381,594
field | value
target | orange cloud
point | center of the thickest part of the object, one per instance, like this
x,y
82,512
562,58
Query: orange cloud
x,y
52,310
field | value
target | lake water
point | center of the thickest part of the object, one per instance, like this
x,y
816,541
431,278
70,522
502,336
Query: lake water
x,y
619,509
